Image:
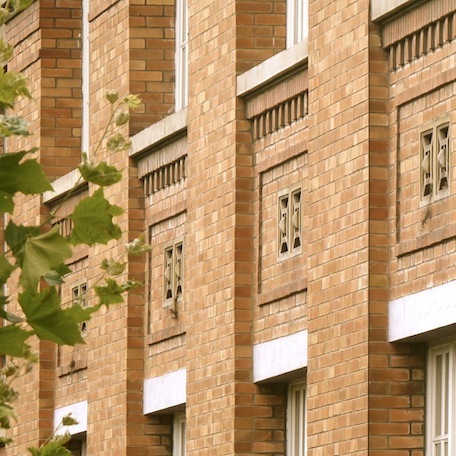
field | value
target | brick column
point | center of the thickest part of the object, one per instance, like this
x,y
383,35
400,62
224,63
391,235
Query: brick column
x,y
338,228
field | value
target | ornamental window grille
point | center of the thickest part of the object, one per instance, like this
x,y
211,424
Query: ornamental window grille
x,y
289,223
173,274
435,161
79,296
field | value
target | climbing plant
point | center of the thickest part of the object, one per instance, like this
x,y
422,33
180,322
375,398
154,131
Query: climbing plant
x,y
34,257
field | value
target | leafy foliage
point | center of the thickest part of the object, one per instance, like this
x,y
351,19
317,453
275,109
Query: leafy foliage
x,y
92,219
35,263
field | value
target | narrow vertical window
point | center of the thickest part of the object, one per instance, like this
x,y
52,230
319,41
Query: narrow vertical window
x,y
179,438
426,164
173,275
283,225
296,219
443,157
181,34
79,296
297,21
85,132
296,420
440,401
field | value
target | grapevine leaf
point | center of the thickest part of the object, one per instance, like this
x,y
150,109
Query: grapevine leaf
x,y
43,313
111,293
100,174
12,340
92,219
42,254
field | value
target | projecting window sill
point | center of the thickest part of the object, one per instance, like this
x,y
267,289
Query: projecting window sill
x,y
427,240
280,65
282,292
382,10
71,369
165,334
63,185
154,137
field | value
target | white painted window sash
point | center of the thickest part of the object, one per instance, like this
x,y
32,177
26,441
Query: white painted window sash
x,y
85,39
440,397
297,21
296,420
181,33
179,437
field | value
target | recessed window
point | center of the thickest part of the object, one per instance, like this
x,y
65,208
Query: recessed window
x,y
297,21
441,401
435,161
289,223
296,420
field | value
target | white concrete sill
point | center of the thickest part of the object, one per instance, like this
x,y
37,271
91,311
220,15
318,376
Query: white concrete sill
x,y
161,132
384,9
63,185
273,68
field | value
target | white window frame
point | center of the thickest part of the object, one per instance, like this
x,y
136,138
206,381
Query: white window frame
x,y
85,63
297,420
181,60
179,435
297,21
441,404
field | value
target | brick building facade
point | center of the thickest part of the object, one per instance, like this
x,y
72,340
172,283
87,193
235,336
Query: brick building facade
x,y
292,166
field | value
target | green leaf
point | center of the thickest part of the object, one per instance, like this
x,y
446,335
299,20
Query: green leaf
x,y
26,177
112,96
92,219
43,313
12,340
12,86
37,255
138,246
50,449
111,293
117,143
132,101
68,420
100,174
6,268
17,235
13,125
113,267
55,277
6,49
6,202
